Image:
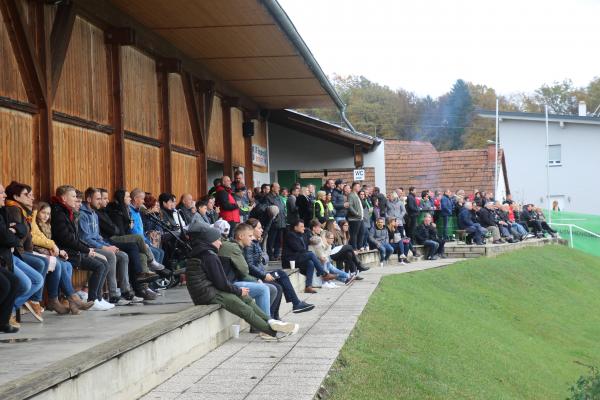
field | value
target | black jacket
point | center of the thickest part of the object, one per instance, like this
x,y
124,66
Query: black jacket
x,y
528,216
120,217
207,274
411,205
486,217
295,247
338,199
8,240
305,209
108,228
424,232
65,234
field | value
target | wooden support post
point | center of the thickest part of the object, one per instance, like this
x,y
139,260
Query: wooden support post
x,y
62,29
119,180
227,103
199,143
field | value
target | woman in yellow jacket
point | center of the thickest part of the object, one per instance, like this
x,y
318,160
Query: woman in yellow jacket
x,y
41,235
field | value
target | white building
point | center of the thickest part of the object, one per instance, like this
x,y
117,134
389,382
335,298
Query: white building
x,y
574,155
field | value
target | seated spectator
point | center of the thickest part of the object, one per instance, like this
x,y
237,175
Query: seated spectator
x,y
131,208
19,207
61,278
396,241
212,211
9,287
478,199
321,244
508,200
467,222
426,235
379,239
516,229
486,219
542,219
202,207
66,236
170,215
118,261
503,226
344,256
208,284
320,208
446,211
237,271
258,261
186,207
296,249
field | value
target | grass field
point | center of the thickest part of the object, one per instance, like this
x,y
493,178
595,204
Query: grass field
x,y
581,240
519,326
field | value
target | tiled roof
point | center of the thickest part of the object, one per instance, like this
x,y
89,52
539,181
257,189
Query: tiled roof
x,y
419,164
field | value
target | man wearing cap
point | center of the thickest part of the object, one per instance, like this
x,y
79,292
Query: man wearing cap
x,y
207,283
339,201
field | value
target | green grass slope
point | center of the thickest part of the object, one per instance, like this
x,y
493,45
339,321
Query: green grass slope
x,y
519,326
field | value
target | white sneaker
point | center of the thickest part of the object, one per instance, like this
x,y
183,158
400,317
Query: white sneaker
x,y
98,306
281,326
381,264
156,266
330,285
107,304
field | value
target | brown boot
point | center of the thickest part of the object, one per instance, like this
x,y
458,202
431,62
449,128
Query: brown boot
x,y
55,305
74,308
328,277
80,304
309,289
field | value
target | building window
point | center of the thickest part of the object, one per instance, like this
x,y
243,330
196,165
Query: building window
x,y
554,155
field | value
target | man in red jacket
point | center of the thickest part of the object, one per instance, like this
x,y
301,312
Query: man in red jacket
x,y
230,211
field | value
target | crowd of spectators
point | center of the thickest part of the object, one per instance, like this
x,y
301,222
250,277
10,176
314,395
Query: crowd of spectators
x,y
224,242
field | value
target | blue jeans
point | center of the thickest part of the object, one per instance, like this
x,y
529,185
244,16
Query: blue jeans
x,y
385,251
445,226
341,275
259,292
310,263
159,254
40,264
60,279
30,281
365,238
399,248
519,228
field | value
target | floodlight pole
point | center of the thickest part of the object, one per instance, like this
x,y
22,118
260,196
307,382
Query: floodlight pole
x,y
497,146
548,167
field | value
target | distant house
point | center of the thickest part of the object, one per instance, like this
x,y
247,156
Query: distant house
x,y
574,155
419,164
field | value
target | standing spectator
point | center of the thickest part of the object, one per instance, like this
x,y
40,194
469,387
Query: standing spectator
x,y
396,209
426,235
305,206
367,215
412,212
277,228
446,210
320,210
293,213
339,201
230,211
355,216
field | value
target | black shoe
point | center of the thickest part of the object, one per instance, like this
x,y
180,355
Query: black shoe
x,y
443,256
358,278
302,307
8,328
433,258
362,268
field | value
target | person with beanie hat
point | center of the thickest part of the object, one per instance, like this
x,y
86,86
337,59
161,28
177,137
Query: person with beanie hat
x,y
207,283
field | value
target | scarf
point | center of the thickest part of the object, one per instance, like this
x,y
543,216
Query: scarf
x,y
24,211
58,200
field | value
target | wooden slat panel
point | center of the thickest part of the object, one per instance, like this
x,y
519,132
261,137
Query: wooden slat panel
x,y
16,138
82,157
11,84
279,87
185,174
179,121
214,148
83,86
237,138
180,13
140,93
259,68
142,167
279,102
260,139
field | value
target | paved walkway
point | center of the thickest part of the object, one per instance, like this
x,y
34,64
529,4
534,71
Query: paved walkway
x,y
293,368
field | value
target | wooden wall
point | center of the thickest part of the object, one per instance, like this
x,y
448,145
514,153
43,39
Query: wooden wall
x,y
179,121
82,157
185,174
11,84
237,138
143,167
16,147
214,148
83,89
140,92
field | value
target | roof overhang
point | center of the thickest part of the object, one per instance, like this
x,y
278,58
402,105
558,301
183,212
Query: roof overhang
x,y
540,117
322,129
250,45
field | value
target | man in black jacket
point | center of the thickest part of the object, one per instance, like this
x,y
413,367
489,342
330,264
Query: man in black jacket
x,y
426,234
487,220
412,212
208,283
340,203
66,236
277,227
9,283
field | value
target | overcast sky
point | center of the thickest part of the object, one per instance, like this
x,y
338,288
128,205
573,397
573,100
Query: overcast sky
x,y
425,45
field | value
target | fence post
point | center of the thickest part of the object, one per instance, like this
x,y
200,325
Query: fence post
x,y
571,235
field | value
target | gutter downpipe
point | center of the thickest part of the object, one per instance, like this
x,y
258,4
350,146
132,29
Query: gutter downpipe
x,y
285,23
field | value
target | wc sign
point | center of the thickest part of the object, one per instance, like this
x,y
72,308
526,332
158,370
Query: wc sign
x,y
359,174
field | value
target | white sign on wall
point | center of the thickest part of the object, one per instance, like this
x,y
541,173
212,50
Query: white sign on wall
x,y
259,155
359,174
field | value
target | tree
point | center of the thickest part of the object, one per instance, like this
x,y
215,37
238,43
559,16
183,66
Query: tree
x,y
561,97
456,115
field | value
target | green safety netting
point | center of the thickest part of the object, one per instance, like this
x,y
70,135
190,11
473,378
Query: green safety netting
x,y
582,240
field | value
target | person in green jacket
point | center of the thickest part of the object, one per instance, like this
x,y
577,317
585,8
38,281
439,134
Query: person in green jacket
x,y
266,295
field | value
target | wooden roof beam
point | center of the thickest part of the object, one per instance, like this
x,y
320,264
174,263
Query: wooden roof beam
x,y
62,29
